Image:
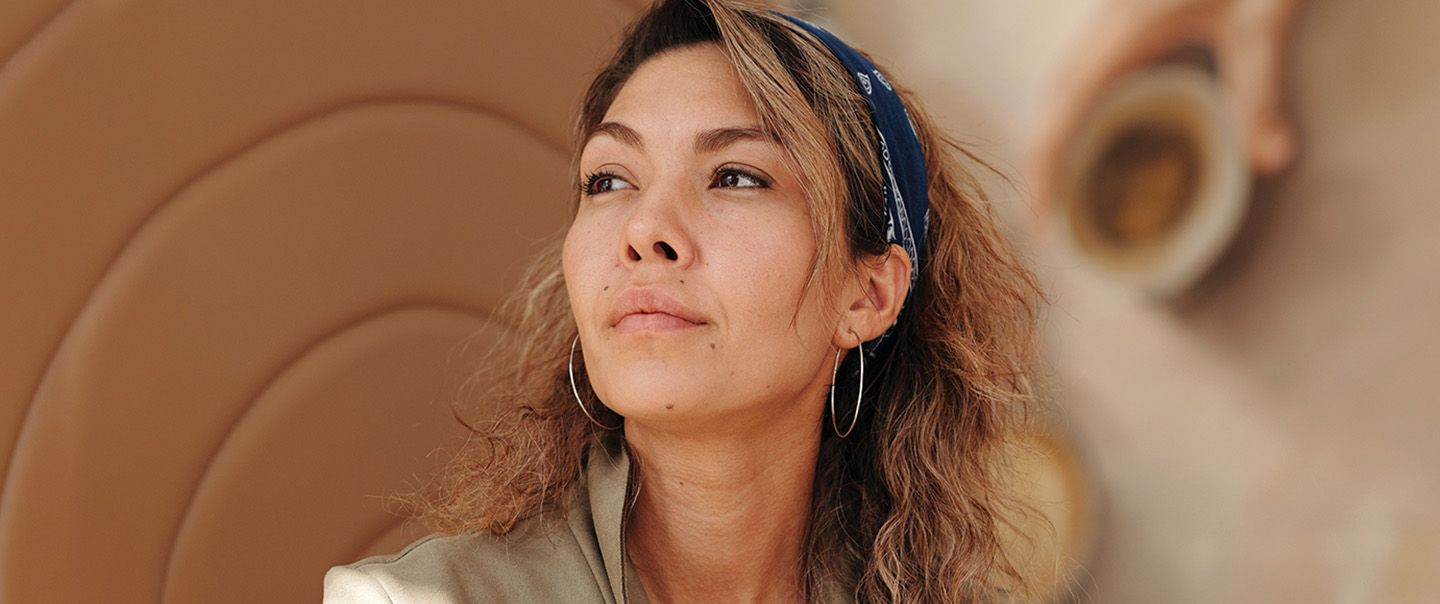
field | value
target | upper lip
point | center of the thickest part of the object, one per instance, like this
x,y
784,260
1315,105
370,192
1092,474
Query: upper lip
x,y
648,300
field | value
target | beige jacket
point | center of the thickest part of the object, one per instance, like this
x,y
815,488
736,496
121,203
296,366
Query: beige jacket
x,y
583,560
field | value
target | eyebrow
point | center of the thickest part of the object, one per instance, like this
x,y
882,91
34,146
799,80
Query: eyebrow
x,y
618,131
719,138
708,141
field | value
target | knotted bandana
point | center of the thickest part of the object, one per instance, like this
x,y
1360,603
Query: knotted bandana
x,y
907,199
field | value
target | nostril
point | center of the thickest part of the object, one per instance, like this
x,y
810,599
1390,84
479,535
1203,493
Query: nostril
x,y
664,249
634,255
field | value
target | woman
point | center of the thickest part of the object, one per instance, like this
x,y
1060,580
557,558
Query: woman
x,y
756,221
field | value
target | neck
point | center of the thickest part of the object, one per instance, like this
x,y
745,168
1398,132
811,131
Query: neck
x,y
723,519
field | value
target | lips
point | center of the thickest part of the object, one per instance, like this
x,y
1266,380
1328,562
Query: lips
x,y
651,309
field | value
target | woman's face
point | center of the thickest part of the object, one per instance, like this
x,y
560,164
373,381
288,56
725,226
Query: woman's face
x,y
688,259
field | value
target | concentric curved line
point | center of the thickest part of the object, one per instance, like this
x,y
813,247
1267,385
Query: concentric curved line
x,y
44,25
341,329
220,162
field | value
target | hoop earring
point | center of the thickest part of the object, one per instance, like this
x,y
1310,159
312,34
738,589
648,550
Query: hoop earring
x,y
576,391
859,392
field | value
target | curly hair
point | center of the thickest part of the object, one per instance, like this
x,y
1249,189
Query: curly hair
x,y
912,505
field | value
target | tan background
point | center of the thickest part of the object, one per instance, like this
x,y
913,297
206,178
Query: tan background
x,y
244,249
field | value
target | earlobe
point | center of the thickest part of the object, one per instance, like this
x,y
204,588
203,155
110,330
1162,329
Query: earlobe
x,y
883,286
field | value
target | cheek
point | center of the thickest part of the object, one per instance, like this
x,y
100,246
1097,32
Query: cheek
x,y
773,269
577,255
569,254
785,254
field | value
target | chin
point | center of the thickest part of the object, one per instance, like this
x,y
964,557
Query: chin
x,y
645,400
626,378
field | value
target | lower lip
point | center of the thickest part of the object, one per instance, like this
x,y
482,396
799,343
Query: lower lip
x,y
657,321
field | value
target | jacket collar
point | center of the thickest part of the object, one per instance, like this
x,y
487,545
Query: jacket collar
x,y
608,478
610,494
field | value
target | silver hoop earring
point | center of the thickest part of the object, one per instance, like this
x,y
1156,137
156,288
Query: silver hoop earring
x,y
859,392
576,391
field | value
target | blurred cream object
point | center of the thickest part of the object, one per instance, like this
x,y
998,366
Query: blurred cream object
x,y
1155,183
1054,542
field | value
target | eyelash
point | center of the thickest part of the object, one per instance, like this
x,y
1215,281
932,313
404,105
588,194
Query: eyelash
x,y
587,188
760,181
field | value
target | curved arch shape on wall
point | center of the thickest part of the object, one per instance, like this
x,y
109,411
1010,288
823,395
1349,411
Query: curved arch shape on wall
x,y
204,193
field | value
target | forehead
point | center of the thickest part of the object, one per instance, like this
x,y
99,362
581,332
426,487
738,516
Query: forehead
x,y
693,86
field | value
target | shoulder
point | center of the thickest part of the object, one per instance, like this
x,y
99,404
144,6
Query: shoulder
x,y
538,561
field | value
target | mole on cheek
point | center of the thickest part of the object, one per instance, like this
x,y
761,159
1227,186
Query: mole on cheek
x,y
670,406
607,288
712,346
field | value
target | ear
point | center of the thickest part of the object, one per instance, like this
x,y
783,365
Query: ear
x,y
874,299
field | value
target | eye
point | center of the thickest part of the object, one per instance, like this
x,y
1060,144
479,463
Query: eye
x,y
603,182
730,177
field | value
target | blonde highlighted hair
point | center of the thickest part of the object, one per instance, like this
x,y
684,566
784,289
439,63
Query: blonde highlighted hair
x,y
909,507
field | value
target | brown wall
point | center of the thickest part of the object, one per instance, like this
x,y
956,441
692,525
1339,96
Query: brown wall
x,y
245,249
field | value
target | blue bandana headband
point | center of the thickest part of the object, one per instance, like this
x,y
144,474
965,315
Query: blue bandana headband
x,y
907,198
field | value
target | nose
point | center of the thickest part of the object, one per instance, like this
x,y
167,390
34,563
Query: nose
x,y
661,249
656,230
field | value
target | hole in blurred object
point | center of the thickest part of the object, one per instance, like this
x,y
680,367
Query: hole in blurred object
x,y
1155,184
1138,191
